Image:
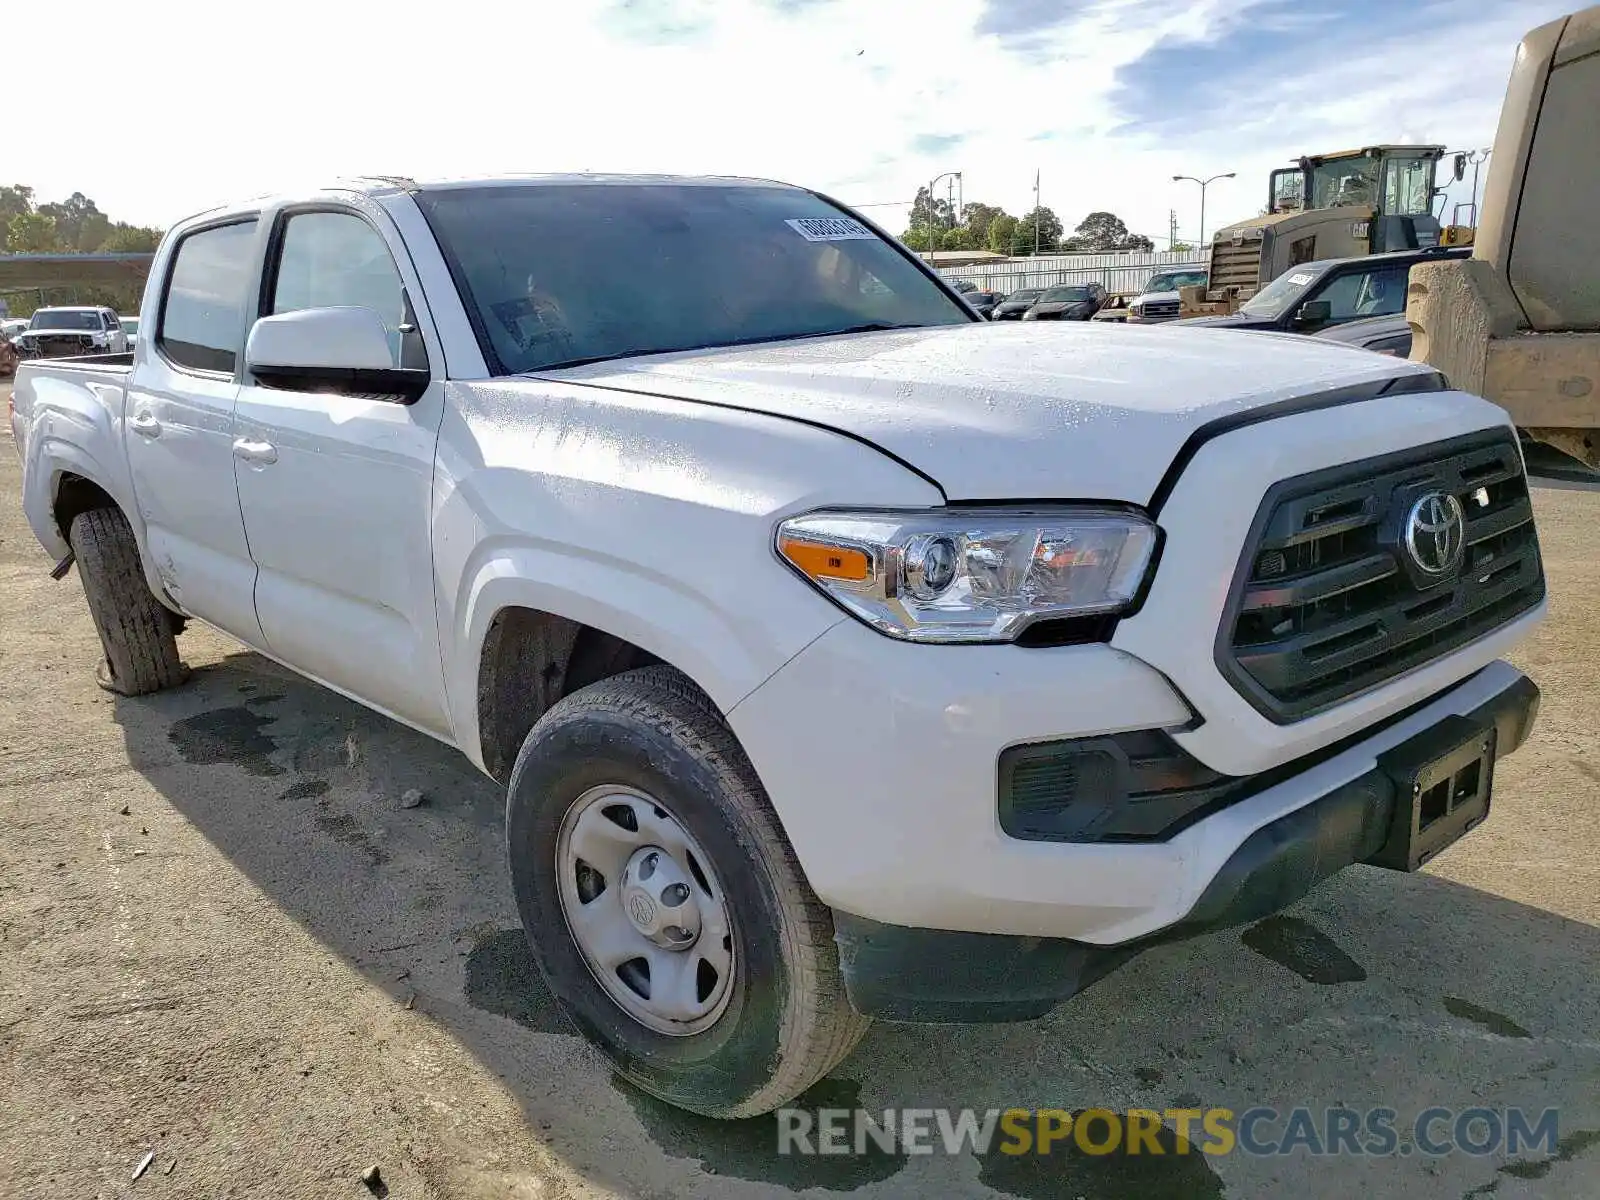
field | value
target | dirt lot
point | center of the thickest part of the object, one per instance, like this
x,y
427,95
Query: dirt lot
x,y
224,941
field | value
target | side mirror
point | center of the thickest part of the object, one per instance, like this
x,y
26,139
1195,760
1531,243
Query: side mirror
x,y
330,350
1314,312
1460,167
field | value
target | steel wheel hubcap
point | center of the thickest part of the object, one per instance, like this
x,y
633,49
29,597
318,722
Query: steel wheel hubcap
x,y
645,910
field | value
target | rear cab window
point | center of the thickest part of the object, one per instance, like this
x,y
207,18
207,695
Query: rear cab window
x,y
206,294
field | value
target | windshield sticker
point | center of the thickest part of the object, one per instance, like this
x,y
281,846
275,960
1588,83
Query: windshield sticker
x,y
1300,279
831,229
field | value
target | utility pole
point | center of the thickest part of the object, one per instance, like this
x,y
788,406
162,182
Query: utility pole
x,y
1036,212
1172,228
933,212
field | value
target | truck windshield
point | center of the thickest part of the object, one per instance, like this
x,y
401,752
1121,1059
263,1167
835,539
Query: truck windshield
x,y
1177,279
1345,181
64,318
560,274
1272,301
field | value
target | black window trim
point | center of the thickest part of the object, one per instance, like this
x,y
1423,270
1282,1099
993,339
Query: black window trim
x,y
397,385
158,341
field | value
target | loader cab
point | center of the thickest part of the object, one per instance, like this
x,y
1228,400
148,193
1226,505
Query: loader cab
x,y
1396,183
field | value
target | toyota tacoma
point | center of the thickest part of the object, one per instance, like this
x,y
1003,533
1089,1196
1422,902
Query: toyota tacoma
x,y
843,655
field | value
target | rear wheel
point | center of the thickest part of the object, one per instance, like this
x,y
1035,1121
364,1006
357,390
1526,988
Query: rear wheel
x,y
664,905
137,632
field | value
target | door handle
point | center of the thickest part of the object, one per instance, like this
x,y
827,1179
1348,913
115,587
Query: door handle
x,y
144,424
255,452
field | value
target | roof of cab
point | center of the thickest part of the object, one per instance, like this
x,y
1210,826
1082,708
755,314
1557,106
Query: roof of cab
x,y
384,183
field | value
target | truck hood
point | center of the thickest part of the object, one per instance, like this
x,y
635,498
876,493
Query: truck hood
x,y
1147,297
1232,321
1008,412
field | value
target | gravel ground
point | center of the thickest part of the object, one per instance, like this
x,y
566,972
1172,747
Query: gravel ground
x,y
223,940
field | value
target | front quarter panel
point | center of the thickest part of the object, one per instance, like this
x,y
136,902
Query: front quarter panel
x,y
646,517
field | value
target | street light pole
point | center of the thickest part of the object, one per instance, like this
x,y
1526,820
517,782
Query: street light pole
x,y
1204,183
933,183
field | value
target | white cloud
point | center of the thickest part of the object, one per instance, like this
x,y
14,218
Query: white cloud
x,y
214,102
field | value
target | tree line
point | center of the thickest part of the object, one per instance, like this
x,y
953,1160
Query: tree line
x,y
989,227
71,226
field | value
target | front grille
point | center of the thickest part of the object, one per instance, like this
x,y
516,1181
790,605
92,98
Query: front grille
x,y
1329,600
1236,265
1159,310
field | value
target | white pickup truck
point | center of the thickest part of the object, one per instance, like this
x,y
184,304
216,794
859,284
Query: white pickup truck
x,y
844,655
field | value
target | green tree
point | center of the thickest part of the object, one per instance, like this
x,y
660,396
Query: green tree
x,y
32,233
1003,234
1047,226
1101,231
976,218
130,239
80,225
15,201
1181,248
928,210
1136,241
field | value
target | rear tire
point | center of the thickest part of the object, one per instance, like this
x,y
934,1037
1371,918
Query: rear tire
x,y
136,630
648,742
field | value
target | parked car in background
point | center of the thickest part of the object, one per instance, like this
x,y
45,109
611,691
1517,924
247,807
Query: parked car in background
x,y
1318,295
1159,300
963,286
1070,302
1015,304
1384,335
11,328
63,332
984,302
130,326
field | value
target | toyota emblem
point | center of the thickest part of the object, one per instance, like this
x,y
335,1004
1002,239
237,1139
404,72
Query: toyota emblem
x,y
1436,532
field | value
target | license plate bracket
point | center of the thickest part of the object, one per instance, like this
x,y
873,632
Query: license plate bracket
x,y
1443,779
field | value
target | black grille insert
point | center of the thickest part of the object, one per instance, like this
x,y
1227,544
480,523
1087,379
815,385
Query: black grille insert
x,y
1329,601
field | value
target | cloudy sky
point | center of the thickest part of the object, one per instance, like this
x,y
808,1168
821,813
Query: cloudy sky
x,y
182,104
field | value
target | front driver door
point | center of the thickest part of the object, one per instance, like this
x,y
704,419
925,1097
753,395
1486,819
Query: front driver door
x,y
336,489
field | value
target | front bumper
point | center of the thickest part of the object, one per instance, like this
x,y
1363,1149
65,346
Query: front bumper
x,y
927,975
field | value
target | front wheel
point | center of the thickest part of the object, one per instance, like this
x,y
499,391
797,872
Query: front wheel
x,y
664,905
137,633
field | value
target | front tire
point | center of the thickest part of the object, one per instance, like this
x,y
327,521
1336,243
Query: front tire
x,y
693,954
137,632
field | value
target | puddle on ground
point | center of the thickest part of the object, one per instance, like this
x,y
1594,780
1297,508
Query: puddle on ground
x,y
1492,1021
1304,949
306,789
503,979
748,1149
1180,1172
226,735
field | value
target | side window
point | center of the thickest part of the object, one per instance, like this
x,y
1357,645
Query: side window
x,y
202,312
335,260
1375,293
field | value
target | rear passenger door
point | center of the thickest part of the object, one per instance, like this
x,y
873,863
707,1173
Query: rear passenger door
x,y
336,488
179,428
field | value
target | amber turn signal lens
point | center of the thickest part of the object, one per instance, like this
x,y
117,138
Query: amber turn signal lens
x,y
822,561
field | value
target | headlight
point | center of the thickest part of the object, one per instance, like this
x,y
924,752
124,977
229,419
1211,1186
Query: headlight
x,y
1030,315
971,575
